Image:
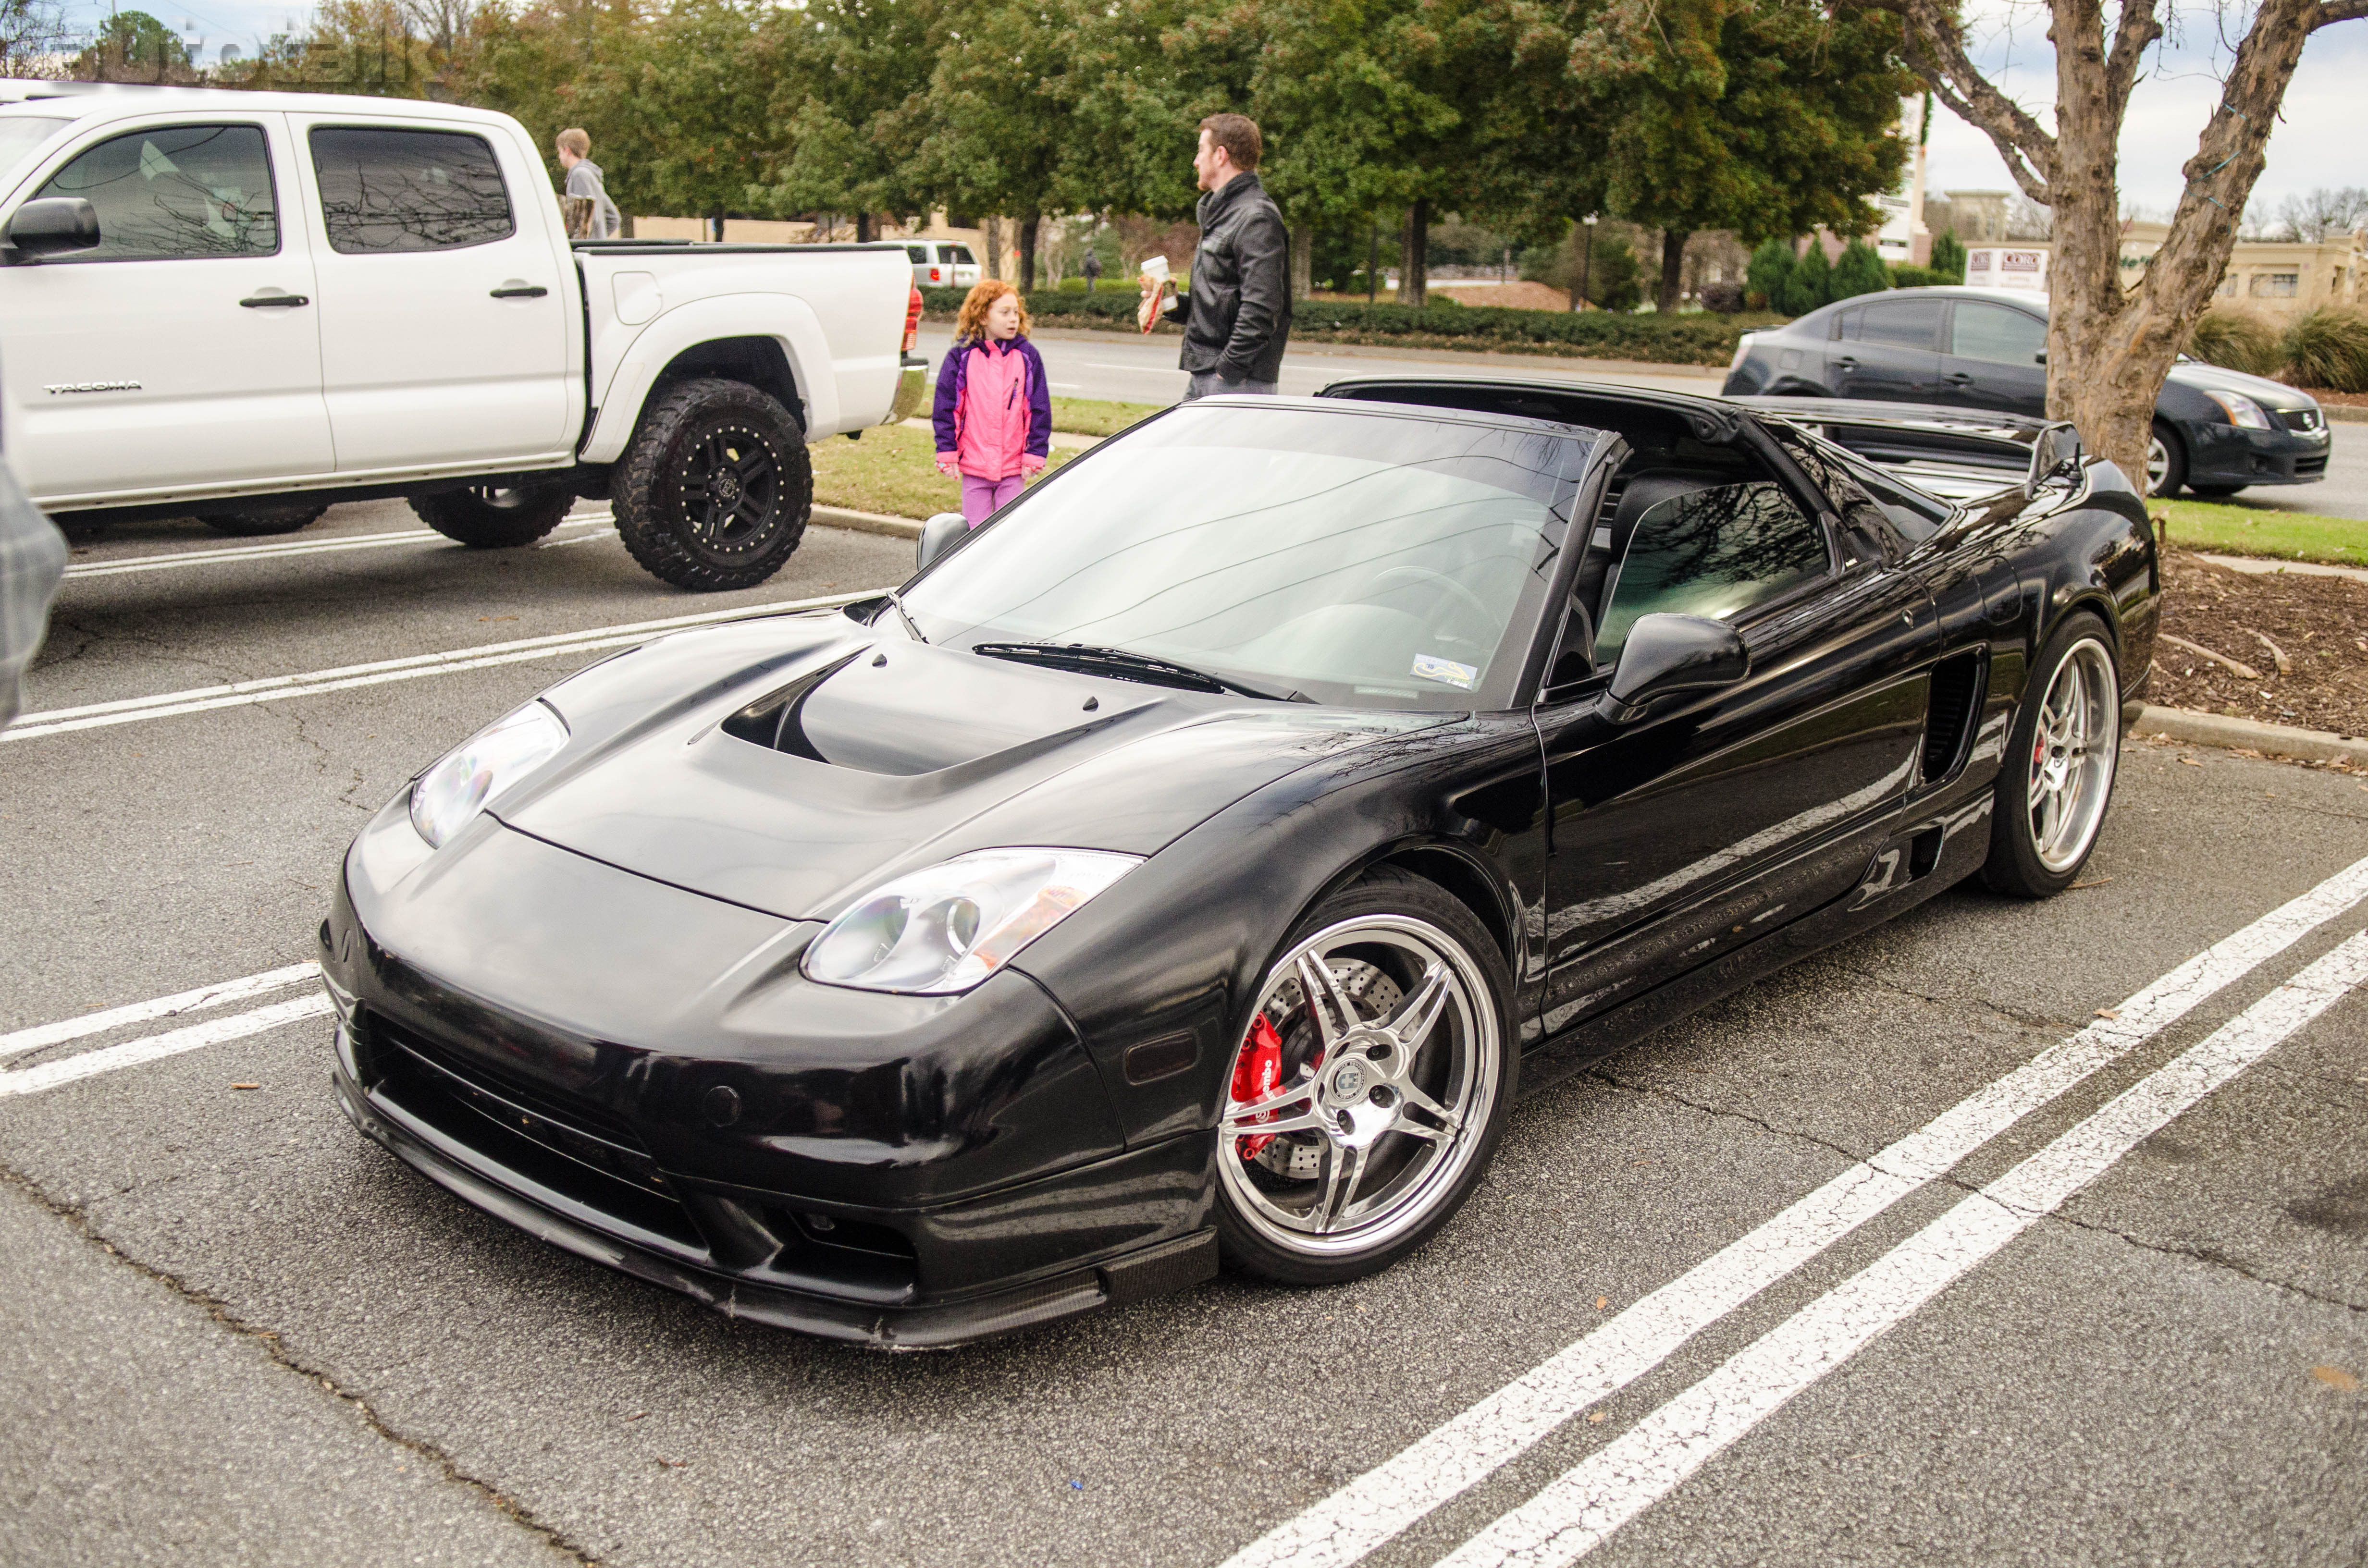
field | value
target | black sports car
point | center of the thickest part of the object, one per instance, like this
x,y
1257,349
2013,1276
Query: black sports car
x,y
2216,431
1193,861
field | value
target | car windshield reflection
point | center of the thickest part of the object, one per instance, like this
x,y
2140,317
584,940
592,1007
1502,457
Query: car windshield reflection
x,y
1363,559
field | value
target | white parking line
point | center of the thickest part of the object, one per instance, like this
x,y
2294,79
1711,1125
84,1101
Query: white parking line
x,y
155,1047
180,1002
233,554
1385,1501
272,689
1580,1510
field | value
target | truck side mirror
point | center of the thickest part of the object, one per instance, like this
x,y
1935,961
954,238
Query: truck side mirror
x,y
939,535
1665,654
2055,453
53,224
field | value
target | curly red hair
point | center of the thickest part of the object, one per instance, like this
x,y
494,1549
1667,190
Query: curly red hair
x,y
971,324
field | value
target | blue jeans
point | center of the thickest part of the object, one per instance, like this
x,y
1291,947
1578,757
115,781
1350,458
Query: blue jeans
x,y
1208,383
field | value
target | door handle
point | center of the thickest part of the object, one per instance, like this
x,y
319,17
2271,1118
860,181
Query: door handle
x,y
1847,363
275,302
515,289
1958,379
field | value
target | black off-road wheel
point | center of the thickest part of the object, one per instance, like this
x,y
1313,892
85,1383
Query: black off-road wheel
x,y
714,492
488,517
2061,757
1369,1086
254,521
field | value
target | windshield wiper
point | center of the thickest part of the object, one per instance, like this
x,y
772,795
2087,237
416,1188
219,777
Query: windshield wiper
x,y
1125,666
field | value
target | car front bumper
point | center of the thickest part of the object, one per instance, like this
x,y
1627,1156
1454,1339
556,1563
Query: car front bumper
x,y
2228,454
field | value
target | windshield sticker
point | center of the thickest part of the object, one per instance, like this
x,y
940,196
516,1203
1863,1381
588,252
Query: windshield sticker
x,y
1430,666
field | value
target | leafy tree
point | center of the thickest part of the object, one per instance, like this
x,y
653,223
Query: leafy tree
x,y
1811,284
1769,119
1770,272
134,47
1611,279
1000,103
1949,255
850,92
1859,271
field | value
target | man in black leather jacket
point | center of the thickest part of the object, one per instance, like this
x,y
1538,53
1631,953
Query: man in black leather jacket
x,y
1237,317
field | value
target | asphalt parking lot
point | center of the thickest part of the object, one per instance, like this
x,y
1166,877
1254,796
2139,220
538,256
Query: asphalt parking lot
x,y
2009,1234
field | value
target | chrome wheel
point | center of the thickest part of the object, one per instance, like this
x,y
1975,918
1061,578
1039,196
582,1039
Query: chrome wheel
x,y
2157,465
1363,1088
2073,751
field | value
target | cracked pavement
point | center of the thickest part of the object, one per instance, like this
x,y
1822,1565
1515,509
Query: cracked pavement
x,y
237,1333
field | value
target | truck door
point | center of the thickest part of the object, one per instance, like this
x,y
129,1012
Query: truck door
x,y
184,351
444,337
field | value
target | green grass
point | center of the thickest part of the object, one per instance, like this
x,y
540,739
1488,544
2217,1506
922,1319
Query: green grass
x,y
1090,416
892,469
2247,530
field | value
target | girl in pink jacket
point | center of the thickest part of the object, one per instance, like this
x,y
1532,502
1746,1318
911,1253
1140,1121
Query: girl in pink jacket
x,y
993,415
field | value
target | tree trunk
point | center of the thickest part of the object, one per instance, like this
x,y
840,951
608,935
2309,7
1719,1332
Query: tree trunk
x,y
1303,260
1414,275
863,230
1373,265
1028,230
994,227
1673,269
715,226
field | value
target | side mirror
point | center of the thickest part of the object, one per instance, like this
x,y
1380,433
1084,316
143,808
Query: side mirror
x,y
2055,452
939,535
1668,654
52,224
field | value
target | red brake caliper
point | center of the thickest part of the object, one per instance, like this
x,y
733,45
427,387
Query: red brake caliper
x,y
1258,1073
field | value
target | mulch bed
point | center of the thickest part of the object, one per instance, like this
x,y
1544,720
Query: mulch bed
x,y
2319,624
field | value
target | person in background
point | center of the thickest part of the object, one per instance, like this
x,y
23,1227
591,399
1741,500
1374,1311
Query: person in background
x,y
584,182
1236,320
994,414
1093,270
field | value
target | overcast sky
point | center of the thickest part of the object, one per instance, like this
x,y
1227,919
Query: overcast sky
x,y
2319,142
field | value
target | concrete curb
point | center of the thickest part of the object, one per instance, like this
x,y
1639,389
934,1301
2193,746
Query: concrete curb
x,y
2247,735
867,522
2344,413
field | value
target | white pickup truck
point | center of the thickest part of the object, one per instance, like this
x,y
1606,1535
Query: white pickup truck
x,y
245,306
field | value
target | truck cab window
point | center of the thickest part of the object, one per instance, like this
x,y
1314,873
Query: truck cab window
x,y
386,190
173,193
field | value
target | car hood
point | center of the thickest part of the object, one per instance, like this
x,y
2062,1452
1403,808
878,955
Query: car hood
x,y
2260,388
791,764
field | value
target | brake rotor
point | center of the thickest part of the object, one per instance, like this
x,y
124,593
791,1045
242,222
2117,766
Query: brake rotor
x,y
1299,1156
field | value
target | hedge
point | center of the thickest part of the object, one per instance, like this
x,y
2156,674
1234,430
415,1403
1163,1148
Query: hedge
x,y
1699,339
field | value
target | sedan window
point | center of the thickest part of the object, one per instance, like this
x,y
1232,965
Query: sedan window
x,y
1903,323
1715,553
1997,332
175,192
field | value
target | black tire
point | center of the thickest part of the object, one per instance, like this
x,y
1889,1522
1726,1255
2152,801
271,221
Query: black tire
x,y
2174,463
2022,863
250,522
2212,491
497,517
1426,914
715,489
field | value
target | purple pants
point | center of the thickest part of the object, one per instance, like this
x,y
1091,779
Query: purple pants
x,y
982,497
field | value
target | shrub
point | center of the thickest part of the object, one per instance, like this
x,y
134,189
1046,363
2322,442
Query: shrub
x,y
1948,257
1861,272
1811,284
1072,285
1921,277
2237,340
1770,270
1721,299
2328,348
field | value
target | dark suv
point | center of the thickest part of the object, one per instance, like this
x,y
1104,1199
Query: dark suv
x,y
2216,431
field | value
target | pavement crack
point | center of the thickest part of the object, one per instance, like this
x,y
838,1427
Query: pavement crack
x,y
1604,1076
269,1340
2211,1259
1886,982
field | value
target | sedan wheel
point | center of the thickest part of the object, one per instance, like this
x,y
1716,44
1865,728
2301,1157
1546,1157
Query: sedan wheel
x,y
1369,1089
2166,463
2052,806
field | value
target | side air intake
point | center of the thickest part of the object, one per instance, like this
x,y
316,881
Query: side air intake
x,y
1949,722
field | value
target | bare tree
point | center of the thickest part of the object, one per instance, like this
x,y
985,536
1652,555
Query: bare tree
x,y
2108,349
2322,214
32,34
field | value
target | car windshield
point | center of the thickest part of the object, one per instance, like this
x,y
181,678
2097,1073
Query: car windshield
x,y
1355,557
20,133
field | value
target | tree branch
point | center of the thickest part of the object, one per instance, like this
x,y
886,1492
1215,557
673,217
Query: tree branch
x,y
2137,31
2337,11
1935,49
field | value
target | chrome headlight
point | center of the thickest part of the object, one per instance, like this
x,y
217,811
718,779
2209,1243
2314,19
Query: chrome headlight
x,y
444,798
947,928
2240,410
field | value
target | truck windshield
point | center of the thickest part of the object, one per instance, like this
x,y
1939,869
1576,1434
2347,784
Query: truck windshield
x,y
21,134
1368,559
